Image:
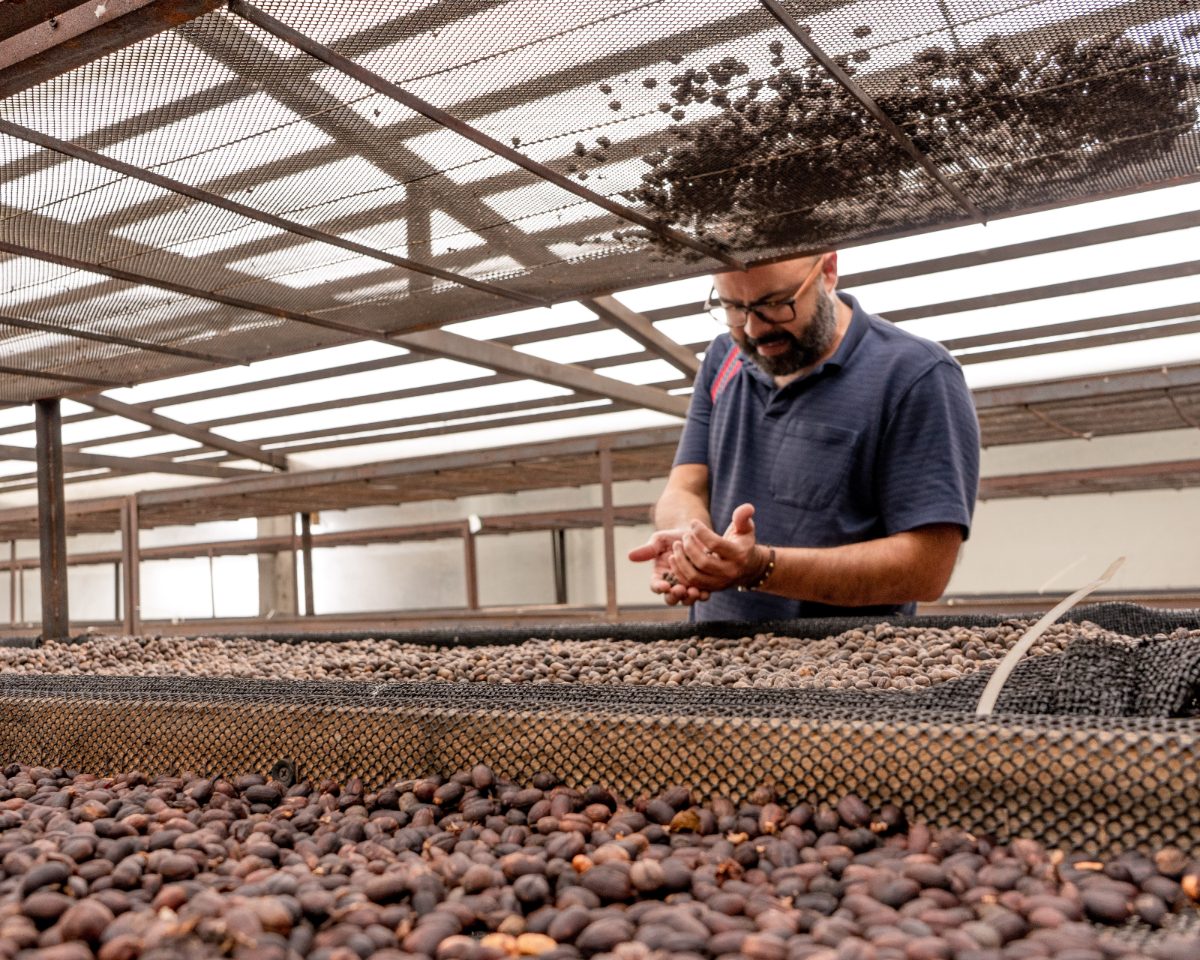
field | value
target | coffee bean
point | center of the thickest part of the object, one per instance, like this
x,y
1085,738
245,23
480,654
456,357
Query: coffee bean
x,y
1106,906
85,920
608,881
604,934
50,874
44,907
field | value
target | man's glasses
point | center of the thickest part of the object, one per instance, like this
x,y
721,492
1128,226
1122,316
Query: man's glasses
x,y
774,312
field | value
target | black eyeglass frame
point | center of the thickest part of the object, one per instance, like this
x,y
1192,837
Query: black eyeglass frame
x,y
719,310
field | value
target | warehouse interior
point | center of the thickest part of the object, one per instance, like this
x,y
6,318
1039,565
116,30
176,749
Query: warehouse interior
x,y
240,288
344,350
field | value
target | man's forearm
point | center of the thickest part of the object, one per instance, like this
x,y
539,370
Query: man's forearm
x,y
891,570
678,508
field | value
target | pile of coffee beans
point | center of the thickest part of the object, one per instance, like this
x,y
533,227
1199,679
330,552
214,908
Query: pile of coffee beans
x,y
794,155
475,867
883,657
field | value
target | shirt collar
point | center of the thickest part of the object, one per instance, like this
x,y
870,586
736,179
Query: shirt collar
x,y
841,356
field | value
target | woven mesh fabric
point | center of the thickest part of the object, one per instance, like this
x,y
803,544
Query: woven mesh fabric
x,y
1127,619
1107,783
709,117
1087,748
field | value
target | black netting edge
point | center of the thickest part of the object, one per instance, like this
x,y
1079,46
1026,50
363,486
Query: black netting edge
x,y
1128,619
951,702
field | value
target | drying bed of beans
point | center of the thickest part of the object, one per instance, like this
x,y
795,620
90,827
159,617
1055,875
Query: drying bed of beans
x,y
475,867
883,657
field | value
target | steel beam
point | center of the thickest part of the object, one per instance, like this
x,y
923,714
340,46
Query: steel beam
x,y
52,521
979,258
85,33
639,328
131,568
251,213
1151,379
504,359
1175,474
191,468
306,548
1082,343
1172,271
558,551
585,518
133,342
470,566
549,415
1071,327
525,453
58,377
149,418
1027,248
609,521
157,283
282,31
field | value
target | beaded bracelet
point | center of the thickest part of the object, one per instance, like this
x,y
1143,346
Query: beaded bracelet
x,y
763,577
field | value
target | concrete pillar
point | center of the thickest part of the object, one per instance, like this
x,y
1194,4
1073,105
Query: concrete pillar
x,y
276,571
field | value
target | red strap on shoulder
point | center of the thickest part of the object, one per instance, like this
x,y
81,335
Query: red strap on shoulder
x,y
732,364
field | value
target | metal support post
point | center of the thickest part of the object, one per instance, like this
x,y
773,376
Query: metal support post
x,y
610,543
470,566
558,546
212,584
52,520
13,578
306,547
131,563
297,573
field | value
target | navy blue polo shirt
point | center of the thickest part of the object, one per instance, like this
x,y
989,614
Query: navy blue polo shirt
x,y
879,439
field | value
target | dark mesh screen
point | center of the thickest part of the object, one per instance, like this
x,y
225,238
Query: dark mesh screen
x,y
1094,747
706,117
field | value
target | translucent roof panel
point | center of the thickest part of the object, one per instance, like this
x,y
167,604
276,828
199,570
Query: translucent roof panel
x,y
594,129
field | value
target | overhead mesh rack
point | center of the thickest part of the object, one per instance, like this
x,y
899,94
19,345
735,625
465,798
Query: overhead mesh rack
x,y
262,180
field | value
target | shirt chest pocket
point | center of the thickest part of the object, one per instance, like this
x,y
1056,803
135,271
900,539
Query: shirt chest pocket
x,y
811,463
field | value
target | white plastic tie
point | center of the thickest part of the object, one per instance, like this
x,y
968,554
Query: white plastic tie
x,y
991,693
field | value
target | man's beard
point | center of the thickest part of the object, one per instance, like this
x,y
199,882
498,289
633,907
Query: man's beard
x,y
806,349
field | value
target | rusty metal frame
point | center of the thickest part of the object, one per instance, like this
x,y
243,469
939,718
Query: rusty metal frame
x,y
502,359
52,525
132,342
59,377
608,514
114,273
579,518
1171,271
470,565
189,431
131,565
76,460
433,342
85,33
251,213
306,547
640,329
283,32
1134,227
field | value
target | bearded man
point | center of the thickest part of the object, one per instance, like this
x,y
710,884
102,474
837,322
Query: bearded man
x,y
838,455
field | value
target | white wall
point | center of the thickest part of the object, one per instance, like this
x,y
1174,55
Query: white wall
x,y
1024,546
